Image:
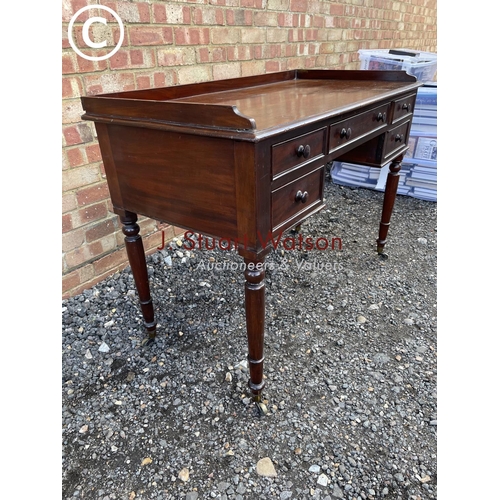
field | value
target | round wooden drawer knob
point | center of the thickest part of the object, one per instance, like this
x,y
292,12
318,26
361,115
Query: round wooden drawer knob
x,y
304,151
301,196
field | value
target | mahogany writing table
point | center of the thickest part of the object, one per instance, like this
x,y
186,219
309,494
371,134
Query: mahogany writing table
x,y
244,159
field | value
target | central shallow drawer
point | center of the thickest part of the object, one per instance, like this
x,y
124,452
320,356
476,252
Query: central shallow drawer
x,y
297,197
297,151
349,130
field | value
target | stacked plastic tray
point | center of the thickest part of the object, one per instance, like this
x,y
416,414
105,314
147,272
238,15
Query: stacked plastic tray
x,y
420,162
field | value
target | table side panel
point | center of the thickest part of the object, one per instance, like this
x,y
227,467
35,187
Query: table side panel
x,y
181,179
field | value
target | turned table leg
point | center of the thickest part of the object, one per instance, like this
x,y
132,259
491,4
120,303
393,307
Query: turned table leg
x,y
391,188
137,260
255,320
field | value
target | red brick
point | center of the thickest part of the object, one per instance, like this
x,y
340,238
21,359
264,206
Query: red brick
x,y
176,56
68,202
143,82
288,20
239,17
207,15
272,66
72,239
296,35
67,223
101,229
86,66
240,53
311,34
150,35
70,281
120,60
76,257
318,21
153,241
93,212
92,194
159,13
77,134
71,87
75,157
256,4
144,14
192,36
95,249
111,261
337,9
172,13
211,54
298,5
137,57
93,153
68,63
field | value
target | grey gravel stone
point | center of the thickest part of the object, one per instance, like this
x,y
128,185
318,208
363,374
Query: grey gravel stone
x,y
323,480
337,492
223,486
104,347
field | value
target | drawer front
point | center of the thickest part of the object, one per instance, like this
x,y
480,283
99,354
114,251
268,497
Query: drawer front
x,y
351,129
403,107
396,138
299,150
297,197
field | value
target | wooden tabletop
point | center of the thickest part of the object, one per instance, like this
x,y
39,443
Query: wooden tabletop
x,y
283,103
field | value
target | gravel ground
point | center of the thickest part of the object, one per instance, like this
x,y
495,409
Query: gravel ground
x,y
350,363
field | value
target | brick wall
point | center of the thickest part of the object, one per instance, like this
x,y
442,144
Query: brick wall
x,y
178,42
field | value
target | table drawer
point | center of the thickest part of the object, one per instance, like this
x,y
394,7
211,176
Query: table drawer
x,y
403,107
396,138
297,197
294,152
351,129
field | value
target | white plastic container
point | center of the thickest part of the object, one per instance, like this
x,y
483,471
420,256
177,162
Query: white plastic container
x,y
422,65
